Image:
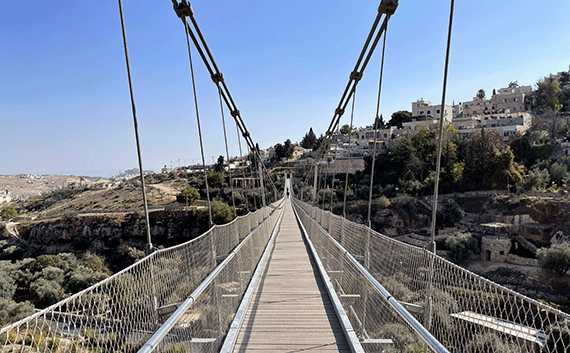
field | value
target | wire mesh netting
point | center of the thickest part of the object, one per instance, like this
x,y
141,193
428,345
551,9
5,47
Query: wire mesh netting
x,y
122,312
463,311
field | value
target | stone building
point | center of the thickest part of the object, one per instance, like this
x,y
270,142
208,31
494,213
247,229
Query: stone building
x,y
495,248
513,99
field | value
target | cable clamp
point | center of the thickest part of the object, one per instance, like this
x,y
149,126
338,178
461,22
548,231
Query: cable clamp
x,y
217,78
388,7
235,113
183,9
339,111
356,76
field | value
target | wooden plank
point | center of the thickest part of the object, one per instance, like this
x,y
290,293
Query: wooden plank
x,y
290,310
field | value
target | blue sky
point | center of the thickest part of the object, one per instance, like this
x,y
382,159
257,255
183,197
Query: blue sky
x,y
64,101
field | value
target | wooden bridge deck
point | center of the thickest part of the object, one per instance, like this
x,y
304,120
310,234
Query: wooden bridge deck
x,y
290,310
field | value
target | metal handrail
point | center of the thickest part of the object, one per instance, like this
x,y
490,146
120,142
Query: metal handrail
x,y
424,334
155,340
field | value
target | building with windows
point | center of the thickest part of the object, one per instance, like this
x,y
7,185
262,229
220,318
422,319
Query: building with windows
x,y
513,99
422,108
506,125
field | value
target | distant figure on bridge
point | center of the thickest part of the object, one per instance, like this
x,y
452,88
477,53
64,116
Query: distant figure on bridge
x,y
287,189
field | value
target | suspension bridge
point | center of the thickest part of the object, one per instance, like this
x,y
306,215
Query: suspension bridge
x,y
291,277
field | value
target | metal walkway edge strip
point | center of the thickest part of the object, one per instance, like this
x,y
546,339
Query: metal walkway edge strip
x,y
237,323
153,342
424,334
353,341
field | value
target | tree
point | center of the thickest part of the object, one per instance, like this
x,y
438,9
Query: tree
x,y
399,117
310,140
219,166
461,246
221,212
555,259
215,179
450,214
285,150
547,96
345,129
188,196
481,94
379,123
8,213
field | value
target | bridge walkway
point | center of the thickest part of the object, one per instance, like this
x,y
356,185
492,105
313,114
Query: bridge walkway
x,y
290,310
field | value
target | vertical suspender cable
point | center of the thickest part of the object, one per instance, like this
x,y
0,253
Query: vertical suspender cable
x,y
429,306
145,204
242,169
348,157
376,122
440,139
334,172
227,151
198,121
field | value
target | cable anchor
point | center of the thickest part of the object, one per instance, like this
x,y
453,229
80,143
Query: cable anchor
x,y
218,77
183,9
356,76
388,7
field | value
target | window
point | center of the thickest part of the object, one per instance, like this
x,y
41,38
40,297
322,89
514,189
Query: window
x,y
437,111
502,252
421,112
385,135
515,100
429,112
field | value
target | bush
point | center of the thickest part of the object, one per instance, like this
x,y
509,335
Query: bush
x,y
555,259
45,292
188,195
490,342
461,246
215,180
450,214
221,213
8,213
558,336
83,277
10,311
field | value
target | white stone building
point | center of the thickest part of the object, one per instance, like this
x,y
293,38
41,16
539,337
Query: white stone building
x,y
514,99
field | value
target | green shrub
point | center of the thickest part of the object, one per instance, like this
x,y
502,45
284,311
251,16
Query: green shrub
x,y
450,214
555,259
558,336
10,311
8,213
461,246
188,196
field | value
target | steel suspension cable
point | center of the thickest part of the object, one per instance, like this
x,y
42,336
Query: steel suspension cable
x,y
429,302
376,124
242,169
198,121
139,154
440,137
227,150
334,172
348,157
